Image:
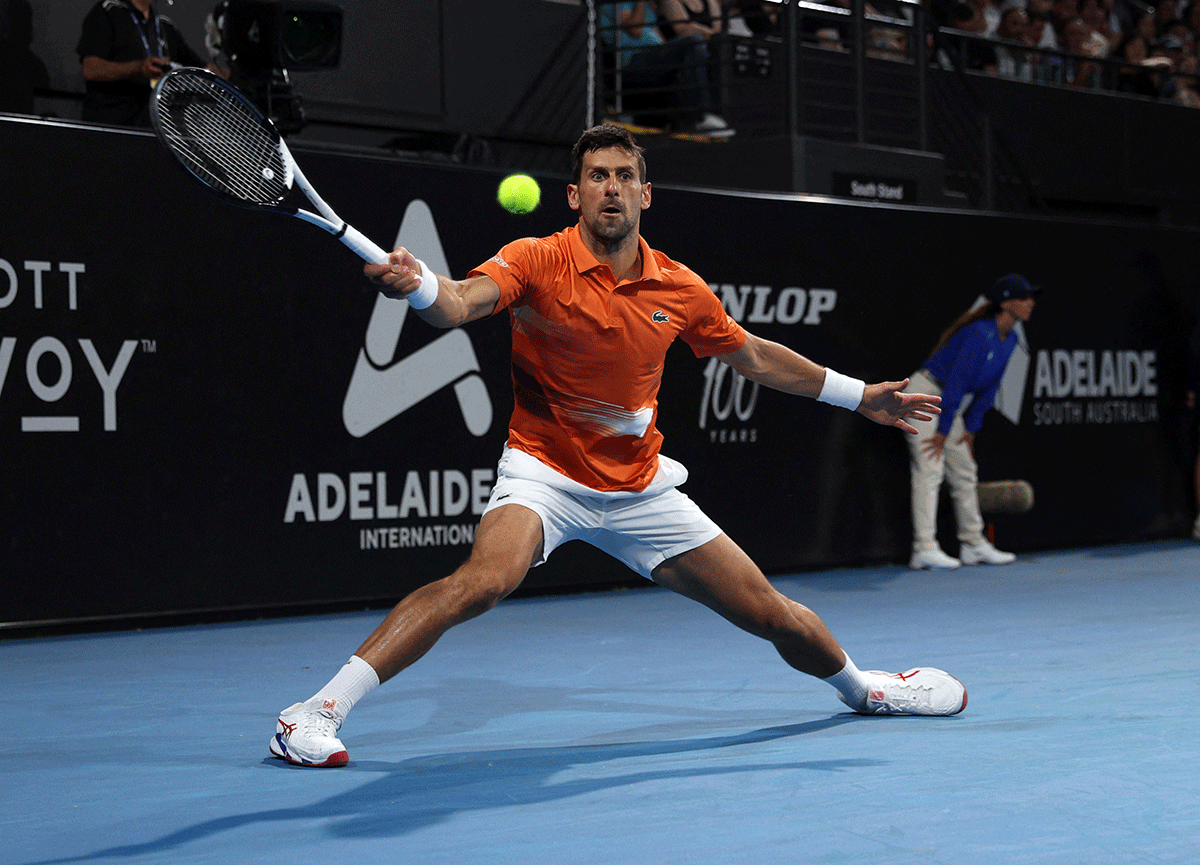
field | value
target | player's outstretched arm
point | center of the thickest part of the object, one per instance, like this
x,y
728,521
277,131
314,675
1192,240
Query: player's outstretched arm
x,y
439,300
777,366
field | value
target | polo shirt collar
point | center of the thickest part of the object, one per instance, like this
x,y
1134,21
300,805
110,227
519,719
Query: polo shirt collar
x,y
585,262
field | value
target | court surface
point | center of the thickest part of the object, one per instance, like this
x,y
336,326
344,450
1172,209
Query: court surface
x,y
637,727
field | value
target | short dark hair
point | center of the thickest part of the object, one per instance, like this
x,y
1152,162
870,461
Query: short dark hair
x,y
600,138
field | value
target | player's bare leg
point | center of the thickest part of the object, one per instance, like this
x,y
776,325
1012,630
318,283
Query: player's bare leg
x,y
507,541
721,576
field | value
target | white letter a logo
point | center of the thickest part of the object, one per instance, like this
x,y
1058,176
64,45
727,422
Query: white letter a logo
x,y
383,387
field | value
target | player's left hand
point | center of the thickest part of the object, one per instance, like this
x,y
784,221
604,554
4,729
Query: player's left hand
x,y
885,403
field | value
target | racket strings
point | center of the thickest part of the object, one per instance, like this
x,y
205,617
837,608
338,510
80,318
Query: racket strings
x,y
222,139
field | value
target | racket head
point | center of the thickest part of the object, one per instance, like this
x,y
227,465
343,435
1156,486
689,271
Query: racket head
x,y
222,139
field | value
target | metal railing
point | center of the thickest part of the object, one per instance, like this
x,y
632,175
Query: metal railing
x,y
833,72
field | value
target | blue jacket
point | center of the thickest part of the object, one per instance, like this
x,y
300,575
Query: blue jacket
x,y
971,362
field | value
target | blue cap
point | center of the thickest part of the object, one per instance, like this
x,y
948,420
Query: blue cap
x,y
1012,287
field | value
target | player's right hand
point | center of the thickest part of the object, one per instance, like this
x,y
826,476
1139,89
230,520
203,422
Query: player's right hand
x,y
401,275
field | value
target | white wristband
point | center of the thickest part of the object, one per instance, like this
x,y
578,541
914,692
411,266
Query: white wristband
x,y
841,390
427,292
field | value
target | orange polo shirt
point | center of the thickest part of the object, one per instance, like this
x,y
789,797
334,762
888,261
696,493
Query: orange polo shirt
x,y
588,353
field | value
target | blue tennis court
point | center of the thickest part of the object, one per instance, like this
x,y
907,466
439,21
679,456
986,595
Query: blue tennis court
x,y
636,726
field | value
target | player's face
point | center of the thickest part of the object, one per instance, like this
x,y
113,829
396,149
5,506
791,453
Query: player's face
x,y
610,196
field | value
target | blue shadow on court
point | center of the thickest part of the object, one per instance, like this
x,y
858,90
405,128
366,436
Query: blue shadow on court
x,y
426,790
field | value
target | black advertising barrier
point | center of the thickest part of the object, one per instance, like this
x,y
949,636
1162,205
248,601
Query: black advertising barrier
x,y
205,408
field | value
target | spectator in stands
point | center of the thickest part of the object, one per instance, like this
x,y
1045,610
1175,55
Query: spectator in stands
x,y
1186,92
1079,70
1139,79
887,41
1144,26
969,359
758,17
1166,54
971,53
1042,33
829,39
1013,62
1191,17
124,48
1039,29
1165,11
677,68
814,28
685,17
983,20
1100,20
1062,13
1115,23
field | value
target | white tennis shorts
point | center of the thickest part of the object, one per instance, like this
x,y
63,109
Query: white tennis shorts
x,y
639,529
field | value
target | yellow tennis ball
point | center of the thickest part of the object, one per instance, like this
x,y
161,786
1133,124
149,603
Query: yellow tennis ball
x,y
519,193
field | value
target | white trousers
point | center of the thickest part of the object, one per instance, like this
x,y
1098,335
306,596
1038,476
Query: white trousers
x,y
957,467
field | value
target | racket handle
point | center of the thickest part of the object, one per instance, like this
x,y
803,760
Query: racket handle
x,y
366,248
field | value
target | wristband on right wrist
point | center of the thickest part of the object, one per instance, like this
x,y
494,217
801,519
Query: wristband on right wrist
x,y
427,292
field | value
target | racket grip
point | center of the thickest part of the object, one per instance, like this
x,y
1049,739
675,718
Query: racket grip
x,y
366,248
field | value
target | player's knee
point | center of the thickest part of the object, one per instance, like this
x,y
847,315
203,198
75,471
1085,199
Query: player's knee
x,y
779,621
479,586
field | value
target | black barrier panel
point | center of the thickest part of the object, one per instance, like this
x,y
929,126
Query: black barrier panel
x,y
208,408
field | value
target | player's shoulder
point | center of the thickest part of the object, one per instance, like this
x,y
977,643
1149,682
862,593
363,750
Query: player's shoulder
x,y
677,275
543,249
526,258
113,5
548,242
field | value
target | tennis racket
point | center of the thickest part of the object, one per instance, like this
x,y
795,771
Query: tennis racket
x,y
221,138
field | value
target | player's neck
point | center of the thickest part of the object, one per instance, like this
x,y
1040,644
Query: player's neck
x,y
624,258
142,6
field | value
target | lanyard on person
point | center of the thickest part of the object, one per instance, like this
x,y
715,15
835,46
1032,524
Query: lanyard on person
x,y
137,23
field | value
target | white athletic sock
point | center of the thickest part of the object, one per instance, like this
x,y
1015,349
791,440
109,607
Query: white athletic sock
x,y
351,684
851,684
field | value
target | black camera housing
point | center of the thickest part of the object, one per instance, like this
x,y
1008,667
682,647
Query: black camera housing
x,y
264,35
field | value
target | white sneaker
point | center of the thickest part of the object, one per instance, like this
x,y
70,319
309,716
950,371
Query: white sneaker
x,y
935,559
985,554
306,735
714,126
920,691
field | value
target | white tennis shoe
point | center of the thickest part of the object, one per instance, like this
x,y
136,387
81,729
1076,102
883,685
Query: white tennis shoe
x,y
984,554
932,560
920,691
306,735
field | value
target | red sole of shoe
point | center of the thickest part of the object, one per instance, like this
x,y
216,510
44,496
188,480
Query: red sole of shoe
x,y
338,758
341,758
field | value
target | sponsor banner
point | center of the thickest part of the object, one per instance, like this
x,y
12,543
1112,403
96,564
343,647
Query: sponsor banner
x,y
209,408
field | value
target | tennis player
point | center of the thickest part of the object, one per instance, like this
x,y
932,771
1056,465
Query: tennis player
x,y
593,311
